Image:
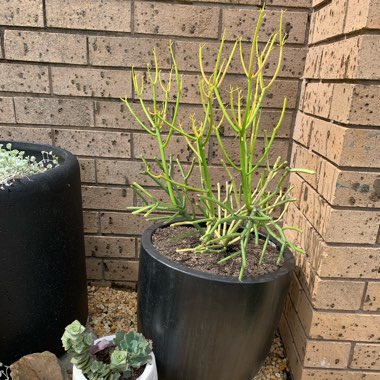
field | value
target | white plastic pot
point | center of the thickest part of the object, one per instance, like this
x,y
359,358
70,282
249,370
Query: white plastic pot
x,y
150,372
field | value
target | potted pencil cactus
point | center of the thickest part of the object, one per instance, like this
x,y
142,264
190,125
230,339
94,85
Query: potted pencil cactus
x,y
215,271
124,356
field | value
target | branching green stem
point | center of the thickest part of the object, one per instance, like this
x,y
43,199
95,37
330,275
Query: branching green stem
x,y
229,215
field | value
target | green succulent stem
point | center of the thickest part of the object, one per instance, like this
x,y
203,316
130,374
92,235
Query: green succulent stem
x,y
231,213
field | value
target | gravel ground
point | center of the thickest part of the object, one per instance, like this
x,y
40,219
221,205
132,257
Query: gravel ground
x,y
111,310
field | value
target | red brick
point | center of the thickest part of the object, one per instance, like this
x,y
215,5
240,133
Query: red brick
x,y
91,143
296,329
291,351
121,270
106,198
355,104
24,78
176,19
87,170
345,326
356,188
355,226
366,356
287,3
302,129
281,89
187,57
355,58
91,82
317,2
109,246
368,66
45,47
344,146
94,268
122,223
339,226
242,22
116,115
294,290
327,354
91,221
120,172
35,135
190,91
50,111
372,297
350,262
279,148
147,146
7,114
268,120
333,294
328,21
362,14
110,15
304,158
318,98
128,51
22,13
313,62
345,55
338,187
317,374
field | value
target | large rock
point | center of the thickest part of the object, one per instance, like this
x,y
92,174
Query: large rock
x,y
40,366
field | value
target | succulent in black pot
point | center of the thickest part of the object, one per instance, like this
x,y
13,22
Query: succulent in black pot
x,y
42,261
203,295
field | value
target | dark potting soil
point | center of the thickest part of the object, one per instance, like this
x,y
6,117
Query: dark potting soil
x,y
136,373
105,357
168,240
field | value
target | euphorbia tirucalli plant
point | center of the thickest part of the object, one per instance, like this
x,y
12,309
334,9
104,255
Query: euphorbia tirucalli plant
x,y
242,210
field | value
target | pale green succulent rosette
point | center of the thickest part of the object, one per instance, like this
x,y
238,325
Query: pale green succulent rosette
x,y
131,350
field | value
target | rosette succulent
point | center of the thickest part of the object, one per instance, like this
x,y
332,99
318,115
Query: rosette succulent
x,y
106,360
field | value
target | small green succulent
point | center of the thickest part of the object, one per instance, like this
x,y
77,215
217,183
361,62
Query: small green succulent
x,y
128,350
15,165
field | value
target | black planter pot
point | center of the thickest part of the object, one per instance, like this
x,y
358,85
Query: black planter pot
x,y
42,262
206,326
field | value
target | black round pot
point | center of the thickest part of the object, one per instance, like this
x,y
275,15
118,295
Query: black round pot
x,y
42,262
206,326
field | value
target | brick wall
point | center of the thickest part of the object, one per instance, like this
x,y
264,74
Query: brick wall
x,y
65,63
332,318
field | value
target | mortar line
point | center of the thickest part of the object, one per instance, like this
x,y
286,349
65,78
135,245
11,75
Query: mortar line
x,y
50,80
126,34
364,296
14,109
341,124
346,36
133,9
220,24
44,13
322,5
87,52
2,45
